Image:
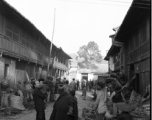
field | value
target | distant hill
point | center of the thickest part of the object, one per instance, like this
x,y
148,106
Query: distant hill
x,y
73,55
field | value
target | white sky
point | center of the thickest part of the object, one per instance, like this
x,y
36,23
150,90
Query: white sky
x,y
77,21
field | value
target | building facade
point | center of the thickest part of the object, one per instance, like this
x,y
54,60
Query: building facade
x,y
134,54
24,49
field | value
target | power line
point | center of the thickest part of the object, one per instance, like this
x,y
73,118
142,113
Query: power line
x,y
93,3
124,2
108,1
116,1
105,0
110,4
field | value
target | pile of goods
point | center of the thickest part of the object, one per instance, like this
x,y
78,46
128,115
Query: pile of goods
x,y
4,85
135,99
143,111
88,113
11,111
109,106
142,107
29,106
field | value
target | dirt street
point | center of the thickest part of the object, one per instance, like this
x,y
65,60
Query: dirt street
x,y
30,115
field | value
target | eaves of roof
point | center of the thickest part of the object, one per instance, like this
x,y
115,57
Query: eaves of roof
x,y
113,50
65,54
24,21
111,36
11,10
106,58
137,11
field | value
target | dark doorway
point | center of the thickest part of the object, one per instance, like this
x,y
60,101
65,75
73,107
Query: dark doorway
x,y
136,84
6,70
85,77
132,71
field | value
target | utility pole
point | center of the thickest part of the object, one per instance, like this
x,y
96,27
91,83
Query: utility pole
x,y
51,42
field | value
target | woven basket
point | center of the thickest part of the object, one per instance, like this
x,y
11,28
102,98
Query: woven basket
x,y
140,118
85,111
146,109
88,118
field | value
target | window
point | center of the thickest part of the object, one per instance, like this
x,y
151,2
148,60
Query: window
x,y
6,70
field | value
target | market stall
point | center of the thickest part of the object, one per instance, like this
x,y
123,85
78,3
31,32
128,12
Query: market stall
x,y
12,99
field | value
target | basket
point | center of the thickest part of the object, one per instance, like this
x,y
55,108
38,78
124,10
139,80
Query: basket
x,y
17,102
140,118
88,119
4,85
146,109
88,113
90,116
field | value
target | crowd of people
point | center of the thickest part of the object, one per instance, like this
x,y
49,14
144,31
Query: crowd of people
x,y
111,99
63,92
115,101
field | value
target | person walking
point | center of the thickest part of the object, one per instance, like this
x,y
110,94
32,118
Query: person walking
x,y
60,84
39,96
84,89
78,85
28,88
90,85
56,89
73,85
100,103
33,80
73,112
65,108
49,83
65,87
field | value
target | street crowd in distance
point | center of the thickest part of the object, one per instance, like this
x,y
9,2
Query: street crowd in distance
x,y
111,100
114,99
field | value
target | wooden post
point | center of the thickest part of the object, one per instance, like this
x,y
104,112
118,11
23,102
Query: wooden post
x,y
51,42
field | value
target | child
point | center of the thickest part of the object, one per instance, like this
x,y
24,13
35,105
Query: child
x,y
28,88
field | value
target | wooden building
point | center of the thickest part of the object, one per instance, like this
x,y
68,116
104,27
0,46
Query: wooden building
x,y
113,56
134,54
23,48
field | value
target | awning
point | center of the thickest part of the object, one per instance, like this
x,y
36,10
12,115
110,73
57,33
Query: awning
x,y
113,50
134,18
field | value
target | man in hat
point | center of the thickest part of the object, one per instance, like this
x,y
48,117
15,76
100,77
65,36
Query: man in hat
x,y
73,85
39,97
65,107
49,83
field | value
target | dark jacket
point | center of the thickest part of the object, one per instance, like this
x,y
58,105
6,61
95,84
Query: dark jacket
x,y
61,108
39,97
33,84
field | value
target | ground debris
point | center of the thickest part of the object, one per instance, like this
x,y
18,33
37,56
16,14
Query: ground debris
x,y
9,111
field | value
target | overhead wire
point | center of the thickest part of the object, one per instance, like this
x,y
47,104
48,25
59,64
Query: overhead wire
x,y
124,2
112,4
92,3
115,1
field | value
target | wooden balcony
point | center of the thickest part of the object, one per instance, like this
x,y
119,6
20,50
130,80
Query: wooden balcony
x,y
14,48
59,65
